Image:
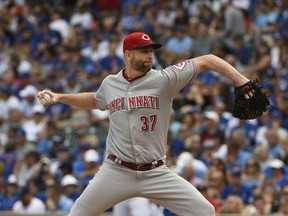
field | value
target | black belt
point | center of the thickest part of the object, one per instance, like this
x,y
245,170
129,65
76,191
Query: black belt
x,y
133,166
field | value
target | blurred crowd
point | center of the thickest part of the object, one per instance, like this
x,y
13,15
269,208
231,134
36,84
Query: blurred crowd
x,y
48,155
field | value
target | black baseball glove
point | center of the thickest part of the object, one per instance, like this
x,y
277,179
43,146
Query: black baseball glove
x,y
253,107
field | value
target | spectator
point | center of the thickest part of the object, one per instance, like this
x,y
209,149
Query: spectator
x,y
22,145
59,112
60,25
218,164
193,145
70,187
190,175
8,157
283,210
205,191
241,50
28,203
130,19
265,16
257,208
252,174
111,63
53,37
209,147
37,187
181,17
166,16
62,154
187,158
219,149
193,27
9,197
206,14
35,126
277,51
248,128
66,167
91,163
232,205
236,187
96,49
236,156
260,64
15,121
191,116
274,123
276,175
233,20
240,137
46,141
263,158
203,42
56,201
26,167
29,96
179,45
211,127
174,146
10,100
217,181
82,15
274,143
72,83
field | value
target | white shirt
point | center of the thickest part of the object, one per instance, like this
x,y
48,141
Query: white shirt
x,y
84,19
13,103
261,135
33,129
62,27
36,206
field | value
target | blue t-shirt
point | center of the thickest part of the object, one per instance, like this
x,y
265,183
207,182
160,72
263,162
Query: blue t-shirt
x,y
244,192
6,203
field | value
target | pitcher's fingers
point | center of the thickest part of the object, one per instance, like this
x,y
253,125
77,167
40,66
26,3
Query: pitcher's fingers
x,y
40,94
43,92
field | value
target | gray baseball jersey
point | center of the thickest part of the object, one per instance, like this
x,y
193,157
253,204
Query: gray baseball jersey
x,y
139,119
140,110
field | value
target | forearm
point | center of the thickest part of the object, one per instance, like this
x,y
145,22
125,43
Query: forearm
x,y
83,100
214,63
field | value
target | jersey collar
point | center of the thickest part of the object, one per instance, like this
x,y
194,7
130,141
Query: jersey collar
x,y
130,79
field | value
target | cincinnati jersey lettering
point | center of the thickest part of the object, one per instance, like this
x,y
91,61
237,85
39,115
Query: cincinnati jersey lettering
x,y
134,102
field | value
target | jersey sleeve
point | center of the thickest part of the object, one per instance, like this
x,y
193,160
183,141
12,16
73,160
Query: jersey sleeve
x,y
100,98
180,75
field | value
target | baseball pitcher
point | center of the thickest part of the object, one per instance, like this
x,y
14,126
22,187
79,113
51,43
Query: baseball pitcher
x,y
139,100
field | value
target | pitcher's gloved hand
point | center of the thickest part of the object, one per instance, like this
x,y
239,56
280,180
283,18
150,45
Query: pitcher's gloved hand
x,y
253,106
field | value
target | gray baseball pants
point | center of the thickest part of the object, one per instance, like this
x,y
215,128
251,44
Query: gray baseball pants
x,y
114,183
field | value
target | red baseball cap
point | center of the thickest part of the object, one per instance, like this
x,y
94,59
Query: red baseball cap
x,y
137,40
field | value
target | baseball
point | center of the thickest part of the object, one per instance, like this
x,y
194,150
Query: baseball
x,y
45,99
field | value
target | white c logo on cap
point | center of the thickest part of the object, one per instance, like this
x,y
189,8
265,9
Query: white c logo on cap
x,y
145,37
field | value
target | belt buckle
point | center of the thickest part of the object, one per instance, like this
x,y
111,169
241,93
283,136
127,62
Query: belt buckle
x,y
153,164
118,161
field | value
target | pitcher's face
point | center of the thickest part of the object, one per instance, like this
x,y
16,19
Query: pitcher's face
x,y
142,59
